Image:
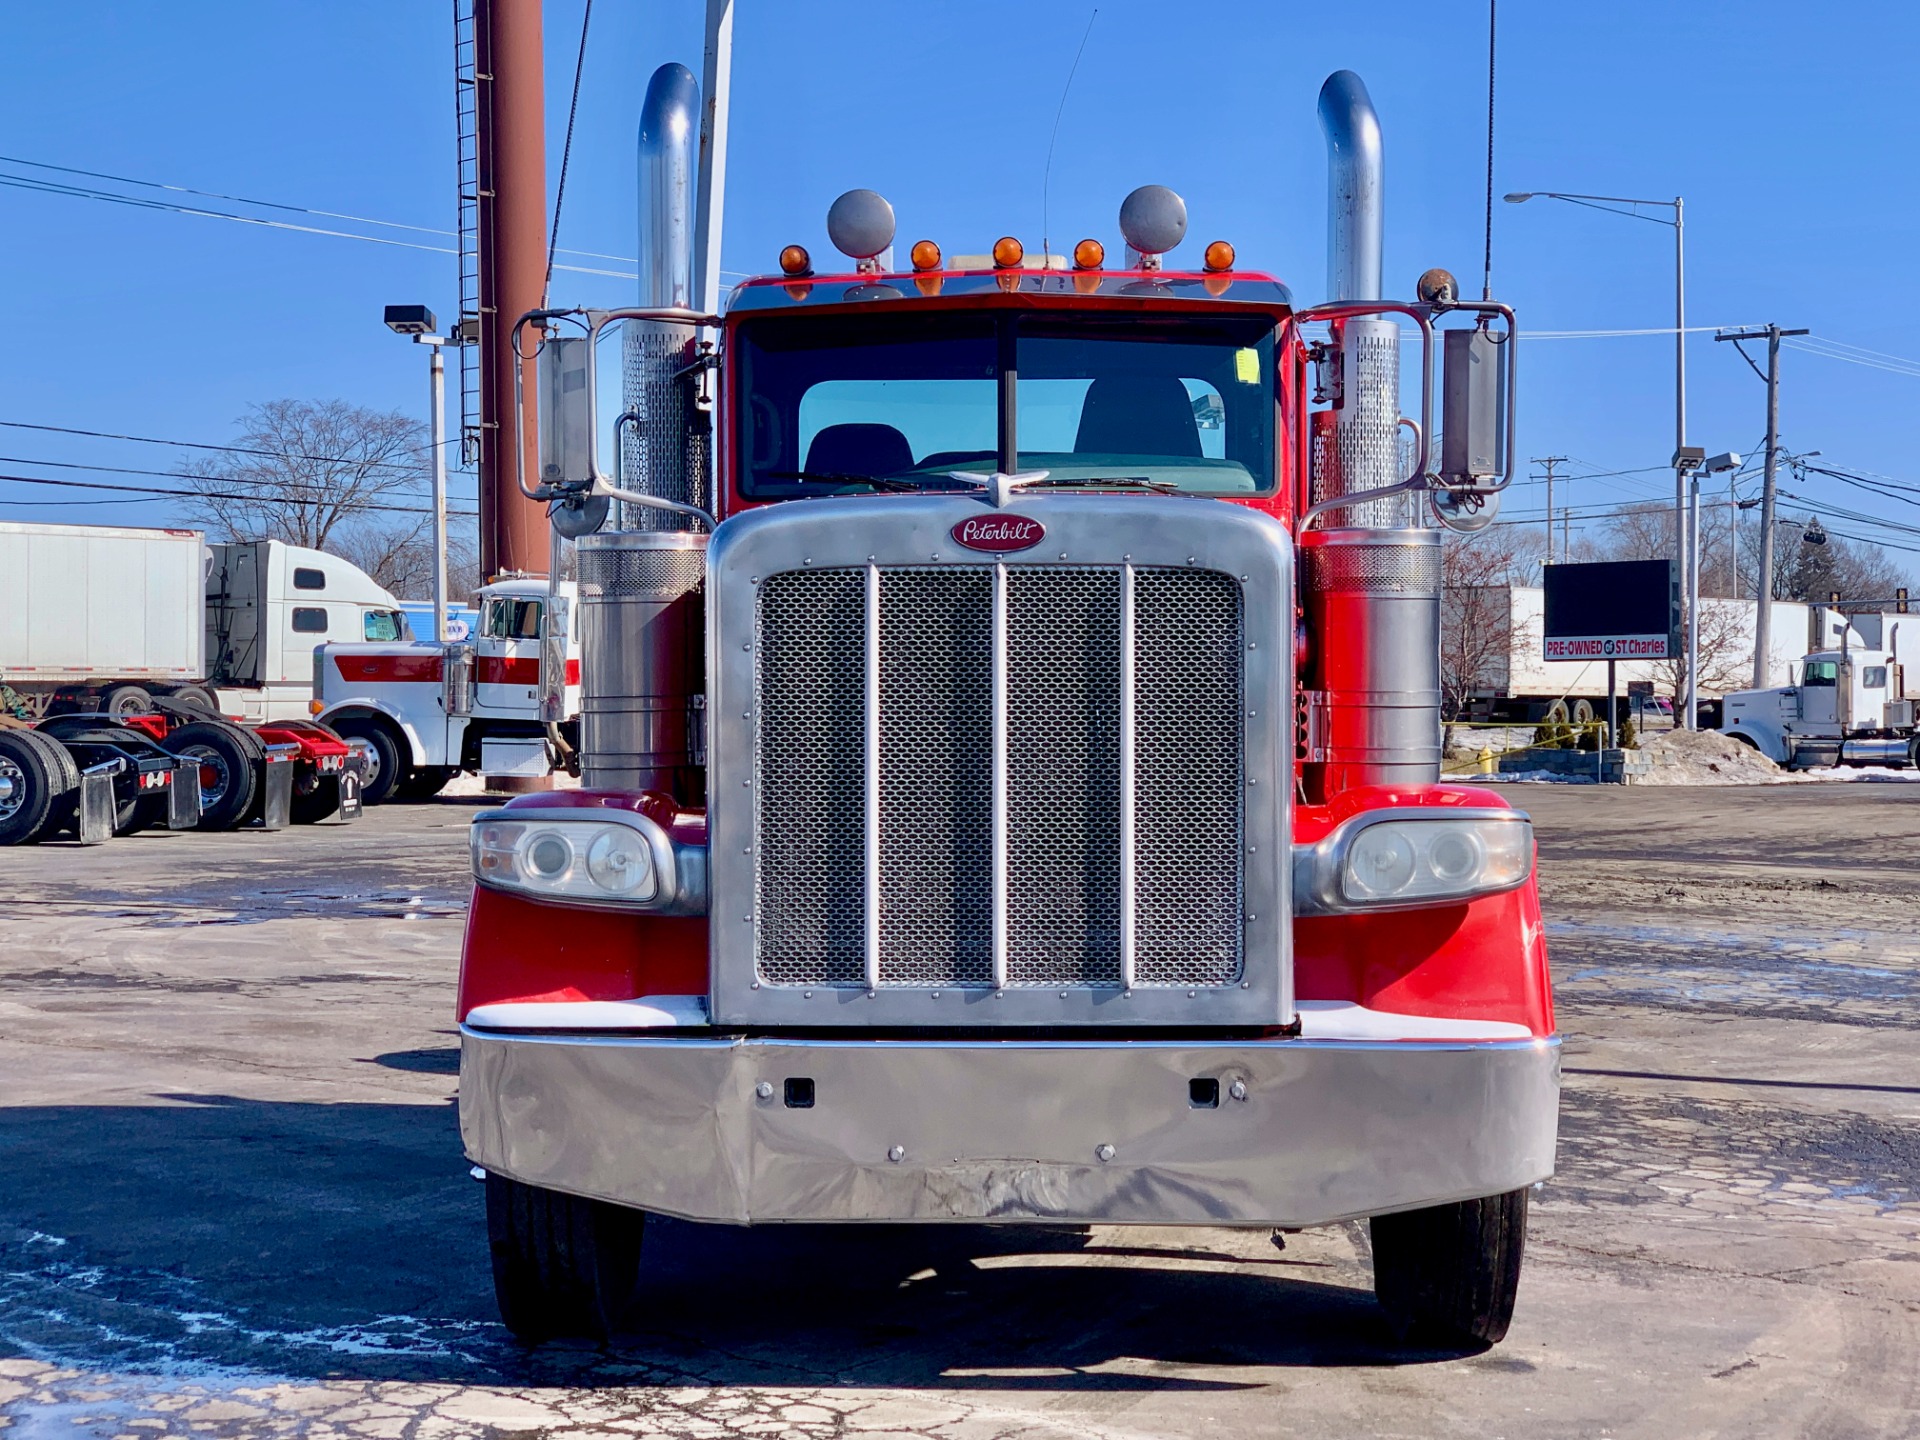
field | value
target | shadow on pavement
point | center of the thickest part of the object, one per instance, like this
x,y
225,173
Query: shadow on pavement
x,y
209,1236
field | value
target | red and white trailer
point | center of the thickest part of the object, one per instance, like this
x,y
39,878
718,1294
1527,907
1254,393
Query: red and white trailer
x,y
1011,770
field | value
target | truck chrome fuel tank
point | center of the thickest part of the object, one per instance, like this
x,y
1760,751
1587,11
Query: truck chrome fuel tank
x,y
1372,602
643,676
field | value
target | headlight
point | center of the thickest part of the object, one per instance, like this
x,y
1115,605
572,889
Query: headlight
x,y
1399,858
576,856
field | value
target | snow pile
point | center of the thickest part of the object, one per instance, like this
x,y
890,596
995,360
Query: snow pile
x,y
1704,757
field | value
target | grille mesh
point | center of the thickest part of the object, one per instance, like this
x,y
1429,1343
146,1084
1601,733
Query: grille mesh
x,y
1064,761
1188,777
936,793
628,573
1063,777
810,778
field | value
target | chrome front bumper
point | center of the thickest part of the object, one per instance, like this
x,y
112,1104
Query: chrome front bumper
x,y
1073,1132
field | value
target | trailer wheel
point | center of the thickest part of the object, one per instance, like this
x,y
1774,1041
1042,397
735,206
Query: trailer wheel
x,y
425,782
1448,1274
33,785
387,767
228,774
562,1265
195,697
124,700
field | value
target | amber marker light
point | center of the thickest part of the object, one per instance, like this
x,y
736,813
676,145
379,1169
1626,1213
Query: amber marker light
x,y
794,260
1219,256
1008,252
1089,255
925,255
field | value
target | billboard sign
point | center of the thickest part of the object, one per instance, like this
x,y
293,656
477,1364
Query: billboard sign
x,y
1613,610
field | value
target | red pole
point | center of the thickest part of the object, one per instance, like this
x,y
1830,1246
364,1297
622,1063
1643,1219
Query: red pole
x,y
511,216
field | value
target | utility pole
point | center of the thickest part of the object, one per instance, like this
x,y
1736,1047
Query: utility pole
x,y
1550,461
1763,588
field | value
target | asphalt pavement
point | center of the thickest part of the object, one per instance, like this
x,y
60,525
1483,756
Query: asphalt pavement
x,y
232,1200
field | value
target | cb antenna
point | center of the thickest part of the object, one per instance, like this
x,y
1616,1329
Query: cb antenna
x,y
1046,177
1486,282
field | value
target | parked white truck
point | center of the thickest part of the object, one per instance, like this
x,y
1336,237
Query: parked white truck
x,y
108,618
1846,706
1493,669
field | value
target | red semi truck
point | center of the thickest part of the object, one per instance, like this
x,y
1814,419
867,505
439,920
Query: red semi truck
x,y
1010,737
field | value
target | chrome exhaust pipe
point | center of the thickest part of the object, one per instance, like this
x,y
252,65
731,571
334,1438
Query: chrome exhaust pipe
x,y
659,451
1370,588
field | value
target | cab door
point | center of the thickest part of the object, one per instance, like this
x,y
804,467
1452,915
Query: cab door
x,y
1820,695
506,657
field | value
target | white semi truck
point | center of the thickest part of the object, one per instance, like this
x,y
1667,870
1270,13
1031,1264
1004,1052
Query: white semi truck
x,y
108,618
1845,706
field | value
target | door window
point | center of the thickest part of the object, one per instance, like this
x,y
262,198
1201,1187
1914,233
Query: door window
x,y
1821,672
384,625
513,620
1874,677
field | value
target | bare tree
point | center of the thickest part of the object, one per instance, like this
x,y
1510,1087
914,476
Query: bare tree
x,y
301,470
399,556
1477,631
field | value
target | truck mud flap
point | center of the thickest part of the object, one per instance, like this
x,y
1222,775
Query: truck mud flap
x,y
94,820
351,781
276,787
183,797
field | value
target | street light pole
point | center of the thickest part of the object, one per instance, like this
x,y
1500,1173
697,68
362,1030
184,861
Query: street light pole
x,y
1610,203
439,369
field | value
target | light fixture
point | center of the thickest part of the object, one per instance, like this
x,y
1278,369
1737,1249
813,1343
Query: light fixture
x,y
410,320
794,260
1008,252
1219,256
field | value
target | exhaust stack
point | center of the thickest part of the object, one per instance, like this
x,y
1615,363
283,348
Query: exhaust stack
x,y
1371,589
642,620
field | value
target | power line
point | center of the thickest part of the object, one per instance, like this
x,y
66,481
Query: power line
x,y
201,494
277,484
229,449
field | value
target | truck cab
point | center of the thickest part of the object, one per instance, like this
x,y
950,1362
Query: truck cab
x,y
1844,705
1010,773
430,710
268,605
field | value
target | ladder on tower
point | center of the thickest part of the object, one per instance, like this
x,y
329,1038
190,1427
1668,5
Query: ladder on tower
x,y
467,145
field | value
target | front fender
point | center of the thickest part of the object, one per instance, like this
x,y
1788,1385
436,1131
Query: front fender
x,y
362,706
1766,739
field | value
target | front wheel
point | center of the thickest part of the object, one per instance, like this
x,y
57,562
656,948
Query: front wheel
x,y
1448,1274
387,767
563,1266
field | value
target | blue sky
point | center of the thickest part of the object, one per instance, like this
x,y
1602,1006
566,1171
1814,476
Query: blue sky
x,y
1791,138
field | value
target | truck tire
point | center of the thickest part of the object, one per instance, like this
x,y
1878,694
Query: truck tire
x,y
124,700
229,774
388,767
425,782
1448,1274
563,1266
32,787
195,697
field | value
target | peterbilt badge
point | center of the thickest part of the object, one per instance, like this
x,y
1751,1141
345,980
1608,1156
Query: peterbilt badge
x,y
999,532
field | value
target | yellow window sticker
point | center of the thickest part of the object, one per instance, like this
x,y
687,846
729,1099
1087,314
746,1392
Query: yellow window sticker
x,y
1246,366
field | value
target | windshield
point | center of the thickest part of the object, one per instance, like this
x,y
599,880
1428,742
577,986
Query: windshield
x,y
895,402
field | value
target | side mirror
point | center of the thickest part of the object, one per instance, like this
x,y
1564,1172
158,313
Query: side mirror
x,y
1473,408
565,416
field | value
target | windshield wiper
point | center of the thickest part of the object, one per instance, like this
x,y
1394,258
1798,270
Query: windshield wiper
x,y
878,482
1104,482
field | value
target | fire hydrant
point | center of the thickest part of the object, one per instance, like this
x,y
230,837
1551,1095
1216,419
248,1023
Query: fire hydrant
x,y
1485,759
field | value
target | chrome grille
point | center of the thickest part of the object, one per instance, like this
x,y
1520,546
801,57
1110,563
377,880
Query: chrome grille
x,y
1106,706
1063,777
936,810
810,778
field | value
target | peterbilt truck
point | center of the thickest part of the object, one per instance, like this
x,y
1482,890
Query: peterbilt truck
x,y
429,709
1010,747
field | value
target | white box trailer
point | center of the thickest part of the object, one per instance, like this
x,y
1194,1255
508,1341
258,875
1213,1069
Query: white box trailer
x,y
1492,643
107,617
84,601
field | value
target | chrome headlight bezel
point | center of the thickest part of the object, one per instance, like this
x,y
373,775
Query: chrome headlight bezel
x,y
502,845
1499,841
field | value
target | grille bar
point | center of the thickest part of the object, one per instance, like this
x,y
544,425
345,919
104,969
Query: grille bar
x,y
1000,776
1129,913
872,712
